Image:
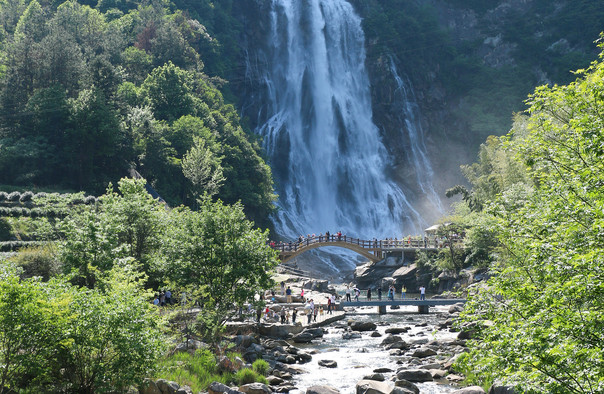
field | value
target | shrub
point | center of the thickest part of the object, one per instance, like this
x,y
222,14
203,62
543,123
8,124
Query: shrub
x,y
14,196
90,200
5,230
246,376
261,367
26,197
38,261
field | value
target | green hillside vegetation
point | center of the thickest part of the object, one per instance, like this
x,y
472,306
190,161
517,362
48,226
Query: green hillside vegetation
x,y
76,308
537,194
88,93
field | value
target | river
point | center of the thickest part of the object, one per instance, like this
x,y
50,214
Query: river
x,y
357,358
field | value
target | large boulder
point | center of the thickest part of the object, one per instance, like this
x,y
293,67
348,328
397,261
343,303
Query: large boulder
x,y
470,390
255,388
315,332
414,375
219,388
363,326
281,331
322,390
303,337
397,330
373,387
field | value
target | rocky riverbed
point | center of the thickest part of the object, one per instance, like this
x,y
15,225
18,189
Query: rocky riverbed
x,y
400,352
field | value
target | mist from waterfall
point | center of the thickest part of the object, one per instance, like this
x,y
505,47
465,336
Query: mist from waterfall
x,y
328,159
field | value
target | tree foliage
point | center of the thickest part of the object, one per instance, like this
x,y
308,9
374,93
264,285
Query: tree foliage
x,y
88,92
541,320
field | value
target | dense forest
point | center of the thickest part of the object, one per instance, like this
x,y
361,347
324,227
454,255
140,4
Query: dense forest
x,y
89,93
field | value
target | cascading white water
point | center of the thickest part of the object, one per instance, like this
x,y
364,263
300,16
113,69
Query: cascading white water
x,y
327,156
409,117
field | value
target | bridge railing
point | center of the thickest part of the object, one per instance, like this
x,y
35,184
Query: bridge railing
x,y
385,244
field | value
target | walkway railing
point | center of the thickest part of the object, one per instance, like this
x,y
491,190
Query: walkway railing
x,y
373,245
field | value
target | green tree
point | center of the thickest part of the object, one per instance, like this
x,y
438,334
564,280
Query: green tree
x,y
30,338
167,90
217,252
203,169
540,322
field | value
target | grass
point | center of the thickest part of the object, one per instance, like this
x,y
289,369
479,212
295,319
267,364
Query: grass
x,y
199,370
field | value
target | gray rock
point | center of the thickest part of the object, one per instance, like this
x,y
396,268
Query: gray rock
x,y
328,363
415,375
376,376
315,332
407,385
438,373
255,388
401,390
382,370
470,390
322,390
274,380
363,326
303,357
391,339
167,387
303,337
396,330
376,334
219,388
397,345
373,387
456,308
184,390
495,389
423,352
351,335
149,387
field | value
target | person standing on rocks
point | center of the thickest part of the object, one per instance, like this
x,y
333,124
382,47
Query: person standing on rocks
x,y
288,292
282,313
294,315
282,288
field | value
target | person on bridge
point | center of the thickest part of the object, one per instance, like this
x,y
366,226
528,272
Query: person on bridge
x,y
380,293
357,293
339,235
391,293
403,292
348,294
327,236
368,294
422,293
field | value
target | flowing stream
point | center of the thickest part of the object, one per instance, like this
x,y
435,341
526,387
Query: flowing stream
x,y
357,358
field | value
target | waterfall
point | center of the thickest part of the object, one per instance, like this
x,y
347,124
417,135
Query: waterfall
x,y
329,161
411,130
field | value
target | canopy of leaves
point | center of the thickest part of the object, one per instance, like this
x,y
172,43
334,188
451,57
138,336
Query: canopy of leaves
x,y
88,93
541,320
